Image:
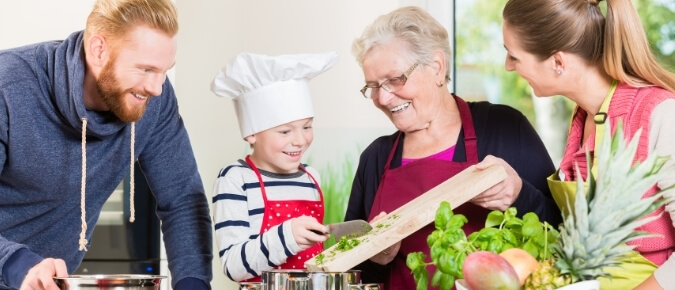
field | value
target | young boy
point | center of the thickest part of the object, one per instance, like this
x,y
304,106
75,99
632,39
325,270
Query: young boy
x,y
267,206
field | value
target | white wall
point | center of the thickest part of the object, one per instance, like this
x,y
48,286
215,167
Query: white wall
x,y
24,22
212,32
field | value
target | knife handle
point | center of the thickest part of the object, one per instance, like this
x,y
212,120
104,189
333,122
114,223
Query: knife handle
x,y
318,232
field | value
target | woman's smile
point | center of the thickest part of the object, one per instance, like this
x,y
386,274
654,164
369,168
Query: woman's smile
x,y
400,107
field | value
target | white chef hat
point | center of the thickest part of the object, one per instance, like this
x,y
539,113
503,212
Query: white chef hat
x,y
269,91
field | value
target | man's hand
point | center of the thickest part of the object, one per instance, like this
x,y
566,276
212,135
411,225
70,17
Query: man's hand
x,y
41,275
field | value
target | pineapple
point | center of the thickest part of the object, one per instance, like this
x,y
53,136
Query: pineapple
x,y
547,277
594,233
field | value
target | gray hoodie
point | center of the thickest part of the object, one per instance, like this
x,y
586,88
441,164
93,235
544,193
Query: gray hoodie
x,y
41,111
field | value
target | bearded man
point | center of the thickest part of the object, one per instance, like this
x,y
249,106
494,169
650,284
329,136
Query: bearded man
x,y
75,115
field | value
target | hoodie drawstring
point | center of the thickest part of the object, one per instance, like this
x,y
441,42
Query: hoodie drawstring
x,y
83,239
132,209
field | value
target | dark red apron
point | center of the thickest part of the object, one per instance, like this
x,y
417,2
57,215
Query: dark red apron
x,y
401,185
279,211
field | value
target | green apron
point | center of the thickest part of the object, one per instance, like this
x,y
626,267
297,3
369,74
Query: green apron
x,y
635,268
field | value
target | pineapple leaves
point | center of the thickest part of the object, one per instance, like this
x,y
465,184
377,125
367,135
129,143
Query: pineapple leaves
x,y
596,229
601,218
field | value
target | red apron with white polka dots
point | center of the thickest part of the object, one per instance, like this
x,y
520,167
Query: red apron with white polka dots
x,y
279,211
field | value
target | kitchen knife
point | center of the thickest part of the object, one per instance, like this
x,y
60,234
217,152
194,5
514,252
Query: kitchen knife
x,y
353,228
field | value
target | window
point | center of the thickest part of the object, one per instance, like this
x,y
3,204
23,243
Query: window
x,y
479,63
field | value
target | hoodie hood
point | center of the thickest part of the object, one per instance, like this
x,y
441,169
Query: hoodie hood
x,y
68,67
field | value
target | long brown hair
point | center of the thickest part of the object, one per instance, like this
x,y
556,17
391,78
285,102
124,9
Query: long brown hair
x,y
616,42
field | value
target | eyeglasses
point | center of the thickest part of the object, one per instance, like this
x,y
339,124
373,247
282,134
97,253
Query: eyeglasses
x,y
390,85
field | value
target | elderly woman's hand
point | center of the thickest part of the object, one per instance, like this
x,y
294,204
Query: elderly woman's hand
x,y
388,254
503,194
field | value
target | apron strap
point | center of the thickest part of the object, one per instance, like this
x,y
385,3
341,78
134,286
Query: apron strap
x,y
262,184
392,152
470,139
318,187
257,174
600,119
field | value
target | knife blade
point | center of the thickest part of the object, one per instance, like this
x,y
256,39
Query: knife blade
x,y
353,228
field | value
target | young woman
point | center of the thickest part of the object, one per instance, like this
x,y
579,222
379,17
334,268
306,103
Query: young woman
x,y
603,64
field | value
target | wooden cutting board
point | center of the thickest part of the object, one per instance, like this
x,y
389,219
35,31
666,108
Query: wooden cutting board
x,y
408,218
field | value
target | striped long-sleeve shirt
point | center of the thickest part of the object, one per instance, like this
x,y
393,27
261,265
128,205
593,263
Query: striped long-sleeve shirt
x,y
238,209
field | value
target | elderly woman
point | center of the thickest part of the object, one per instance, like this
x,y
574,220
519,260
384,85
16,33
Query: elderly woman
x,y
406,61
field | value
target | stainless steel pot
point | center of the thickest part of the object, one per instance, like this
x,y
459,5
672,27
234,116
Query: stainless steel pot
x,y
334,280
303,280
370,286
279,279
126,282
250,286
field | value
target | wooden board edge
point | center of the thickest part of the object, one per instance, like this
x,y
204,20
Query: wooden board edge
x,y
359,254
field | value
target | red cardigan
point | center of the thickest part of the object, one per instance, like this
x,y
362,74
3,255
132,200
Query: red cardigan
x,y
634,106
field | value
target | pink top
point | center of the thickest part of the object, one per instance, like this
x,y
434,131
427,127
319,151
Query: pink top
x,y
446,155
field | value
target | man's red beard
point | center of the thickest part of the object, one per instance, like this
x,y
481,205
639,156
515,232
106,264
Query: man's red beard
x,y
114,97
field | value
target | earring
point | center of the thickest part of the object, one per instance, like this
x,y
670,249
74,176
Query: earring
x,y
439,84
559,72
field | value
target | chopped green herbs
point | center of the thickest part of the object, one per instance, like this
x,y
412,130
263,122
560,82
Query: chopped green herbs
x,y
319,258
346,244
